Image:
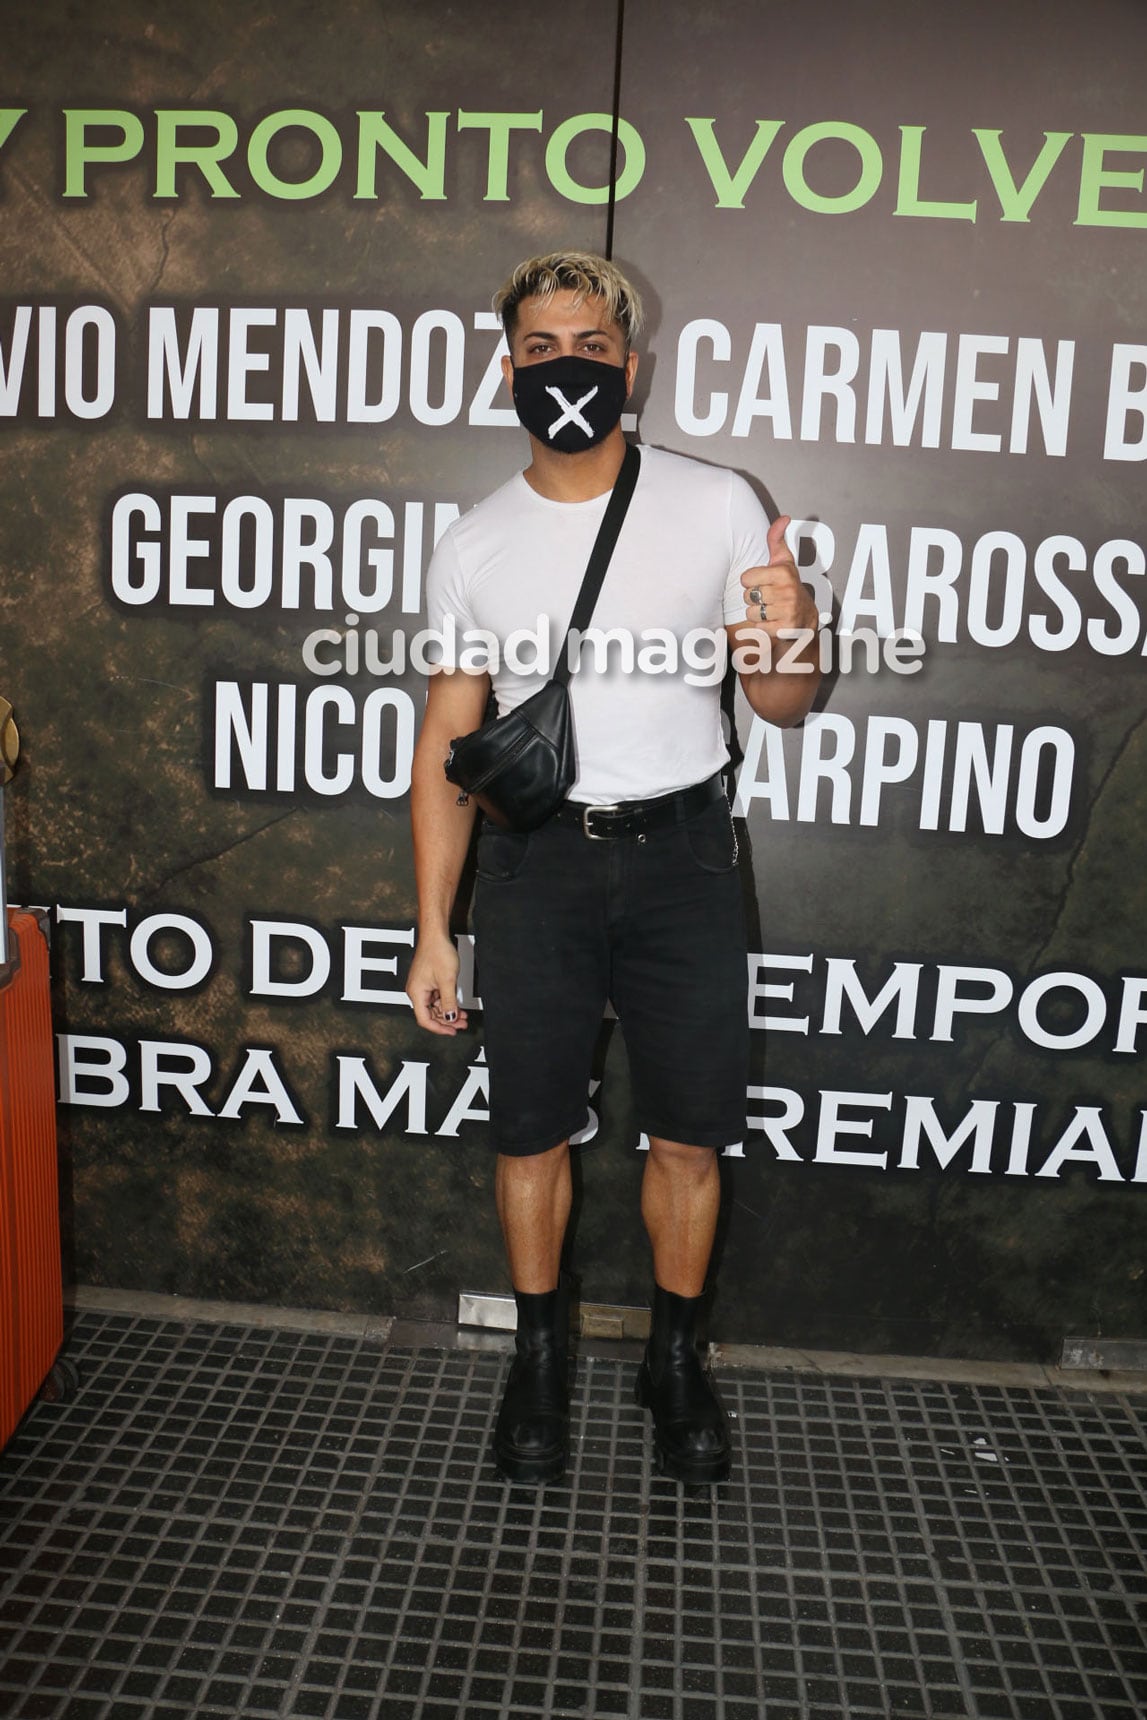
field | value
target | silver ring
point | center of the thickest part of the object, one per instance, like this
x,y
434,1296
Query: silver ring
x,y
755,594
764,612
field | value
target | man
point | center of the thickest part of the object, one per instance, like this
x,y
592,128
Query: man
x,y
638,902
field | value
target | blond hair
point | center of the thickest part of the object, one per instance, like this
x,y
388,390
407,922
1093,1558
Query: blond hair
x,y
581,272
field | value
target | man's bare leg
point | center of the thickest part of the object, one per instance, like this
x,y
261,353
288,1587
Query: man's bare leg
x,y
680,1201
533,1197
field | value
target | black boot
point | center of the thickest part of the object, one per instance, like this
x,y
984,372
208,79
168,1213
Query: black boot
x,y
531,1438
690,1431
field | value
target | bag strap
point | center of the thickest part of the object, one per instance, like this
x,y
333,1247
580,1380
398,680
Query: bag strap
x,y
599,556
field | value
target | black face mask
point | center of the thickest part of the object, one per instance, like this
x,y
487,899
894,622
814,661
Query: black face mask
x,y
569,403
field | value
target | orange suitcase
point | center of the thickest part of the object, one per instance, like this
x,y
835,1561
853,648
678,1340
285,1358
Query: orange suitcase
x,y
31,1290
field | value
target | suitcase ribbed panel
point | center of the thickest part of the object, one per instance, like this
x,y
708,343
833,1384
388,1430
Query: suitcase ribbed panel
x,y
31,1294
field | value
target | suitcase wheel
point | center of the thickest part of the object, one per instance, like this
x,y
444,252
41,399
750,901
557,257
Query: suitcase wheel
x,y
63,1381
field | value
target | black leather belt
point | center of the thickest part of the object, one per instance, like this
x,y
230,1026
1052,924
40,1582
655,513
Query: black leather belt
x,y
640,817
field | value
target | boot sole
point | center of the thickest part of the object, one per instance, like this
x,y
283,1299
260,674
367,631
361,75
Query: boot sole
x,y
699,1470
530,1470
675,1469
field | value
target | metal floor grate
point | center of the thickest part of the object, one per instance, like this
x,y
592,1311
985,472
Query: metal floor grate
x,y
229,1520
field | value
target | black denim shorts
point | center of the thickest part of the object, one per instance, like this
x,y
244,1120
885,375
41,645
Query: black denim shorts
x,y
653,924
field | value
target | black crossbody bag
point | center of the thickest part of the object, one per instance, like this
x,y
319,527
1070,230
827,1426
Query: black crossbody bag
x,y
519,768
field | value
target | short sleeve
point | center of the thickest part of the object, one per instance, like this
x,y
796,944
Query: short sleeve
x,y
748,543
448,610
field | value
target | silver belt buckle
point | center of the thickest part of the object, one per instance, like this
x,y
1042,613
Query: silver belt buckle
x,y
585,818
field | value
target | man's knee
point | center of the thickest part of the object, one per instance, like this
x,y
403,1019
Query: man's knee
x,y
678,1159
534,1166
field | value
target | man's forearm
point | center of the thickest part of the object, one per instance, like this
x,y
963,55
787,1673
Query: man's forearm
x,y
441,831
783,699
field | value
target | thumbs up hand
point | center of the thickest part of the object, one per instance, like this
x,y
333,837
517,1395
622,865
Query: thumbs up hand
x,y
775,599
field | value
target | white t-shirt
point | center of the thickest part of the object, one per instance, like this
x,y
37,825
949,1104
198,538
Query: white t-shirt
x,y
516,562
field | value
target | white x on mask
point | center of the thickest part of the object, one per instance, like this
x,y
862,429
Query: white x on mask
x,y
569,403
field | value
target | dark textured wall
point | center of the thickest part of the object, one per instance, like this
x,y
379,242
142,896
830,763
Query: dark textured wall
x,y
832,1234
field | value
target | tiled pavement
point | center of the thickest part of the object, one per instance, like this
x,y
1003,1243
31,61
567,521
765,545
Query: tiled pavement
x,y
231,1519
